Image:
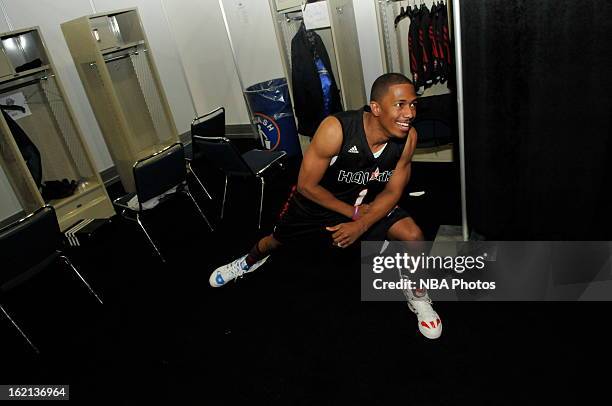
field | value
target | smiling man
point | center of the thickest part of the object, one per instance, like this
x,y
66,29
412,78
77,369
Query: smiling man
x,y
351,179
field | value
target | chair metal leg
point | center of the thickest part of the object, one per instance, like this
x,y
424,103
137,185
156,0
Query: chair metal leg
x,y
224,194
261,202
198,179
148,237
69,263
19,329
199,209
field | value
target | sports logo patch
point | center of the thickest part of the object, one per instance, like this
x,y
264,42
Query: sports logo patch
x,y
269,131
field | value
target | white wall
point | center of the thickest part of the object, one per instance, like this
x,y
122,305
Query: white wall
x,y
369,43
255,45
204,48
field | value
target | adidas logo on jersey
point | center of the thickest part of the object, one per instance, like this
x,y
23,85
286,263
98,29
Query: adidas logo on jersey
x,y
353,150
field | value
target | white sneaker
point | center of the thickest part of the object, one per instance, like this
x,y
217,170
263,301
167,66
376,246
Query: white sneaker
x,y
430,324
233,270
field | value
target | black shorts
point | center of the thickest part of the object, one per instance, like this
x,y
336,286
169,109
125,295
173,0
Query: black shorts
x,y
297,228
378,232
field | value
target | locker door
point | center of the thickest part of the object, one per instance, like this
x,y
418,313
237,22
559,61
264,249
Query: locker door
x,y
346,44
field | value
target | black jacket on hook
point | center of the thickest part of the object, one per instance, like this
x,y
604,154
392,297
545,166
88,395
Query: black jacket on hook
x,y
307,92
31,154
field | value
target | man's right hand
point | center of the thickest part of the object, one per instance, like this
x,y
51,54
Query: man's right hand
x,y
344,234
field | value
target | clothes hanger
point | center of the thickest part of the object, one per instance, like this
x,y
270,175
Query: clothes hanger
x,y
404,12
12,107
290,18
399,17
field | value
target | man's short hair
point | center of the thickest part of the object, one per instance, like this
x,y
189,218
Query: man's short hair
x,y
382,83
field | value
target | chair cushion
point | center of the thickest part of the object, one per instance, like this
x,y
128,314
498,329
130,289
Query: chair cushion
x,y
260,160
130,201
221,153
123,201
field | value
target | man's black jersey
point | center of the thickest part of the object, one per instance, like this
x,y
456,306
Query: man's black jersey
x,y
355,175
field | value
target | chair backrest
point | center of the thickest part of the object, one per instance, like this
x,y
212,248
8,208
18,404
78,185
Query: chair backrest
x,y
160,172
28,242
220,152
211,124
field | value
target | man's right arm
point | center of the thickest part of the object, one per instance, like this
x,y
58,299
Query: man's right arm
x,y
325,144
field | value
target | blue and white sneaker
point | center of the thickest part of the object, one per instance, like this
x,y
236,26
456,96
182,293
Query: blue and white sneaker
x,y
233,270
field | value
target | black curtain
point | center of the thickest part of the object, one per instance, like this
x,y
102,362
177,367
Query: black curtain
x,y
538,127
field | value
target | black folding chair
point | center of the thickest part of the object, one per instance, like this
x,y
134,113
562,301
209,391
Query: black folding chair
x,y
159,176
27,247
220,152
211,124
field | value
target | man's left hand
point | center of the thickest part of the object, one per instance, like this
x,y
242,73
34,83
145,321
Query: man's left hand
x,y
344,234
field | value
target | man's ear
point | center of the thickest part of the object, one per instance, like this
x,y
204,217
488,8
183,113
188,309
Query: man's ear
x,y
375,108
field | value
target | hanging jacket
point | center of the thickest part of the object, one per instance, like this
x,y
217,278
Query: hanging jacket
x,y
306,46
438,42
414,51
28,150
425,43
433,39
414,48
446,45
